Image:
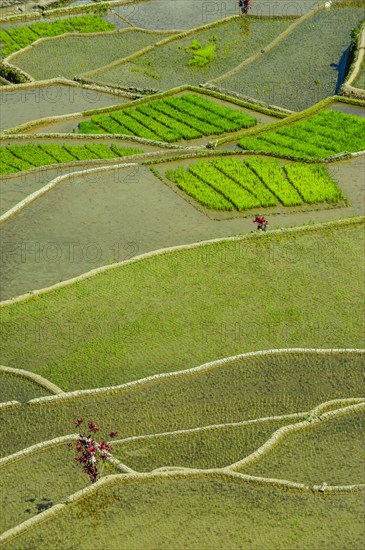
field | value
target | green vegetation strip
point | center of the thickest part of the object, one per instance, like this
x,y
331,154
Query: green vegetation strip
x,y
16,38
232,184
320,136
254,387
15,158
149,512
170,119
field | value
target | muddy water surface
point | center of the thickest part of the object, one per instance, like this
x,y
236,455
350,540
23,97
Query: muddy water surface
x,y
111,216
27,104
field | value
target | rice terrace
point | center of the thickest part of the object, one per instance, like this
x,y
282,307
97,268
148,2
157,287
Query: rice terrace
x,y
182,212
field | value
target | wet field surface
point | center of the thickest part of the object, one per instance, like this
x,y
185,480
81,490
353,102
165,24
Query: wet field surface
x,y
186,14
115,215
27,104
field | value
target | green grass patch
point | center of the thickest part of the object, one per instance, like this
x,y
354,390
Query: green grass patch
x,y
171,119
320,136
16,158
202,513
331,451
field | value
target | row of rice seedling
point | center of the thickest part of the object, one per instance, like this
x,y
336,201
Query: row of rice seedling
x,y
212,123
170,120
8,160
243,119
272,175
16,38
239,172
31,153
198,190
159,130
313,183
237,195
16,158
182,129
320,136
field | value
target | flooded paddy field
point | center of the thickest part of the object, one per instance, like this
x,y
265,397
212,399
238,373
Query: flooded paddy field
x,y
304,67
27,103
185,14
72,55
117,214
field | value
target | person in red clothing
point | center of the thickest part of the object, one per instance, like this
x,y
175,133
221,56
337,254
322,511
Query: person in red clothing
x,y
244,5
262,222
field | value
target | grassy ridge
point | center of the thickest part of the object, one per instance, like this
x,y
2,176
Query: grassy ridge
x,y
214,513
256,387
332,451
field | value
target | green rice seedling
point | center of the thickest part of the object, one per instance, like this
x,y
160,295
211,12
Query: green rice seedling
x,y
101,150
272,175
183,112
237,195
57,152
123,151
8,157
32,154
54,28
80,152
164,133
90,127
90,23
199,113
313,183
109,124
20,38
7,168
198,190
244,176
175,115
180,128
242,119
307,137
259,145
296,145
133,126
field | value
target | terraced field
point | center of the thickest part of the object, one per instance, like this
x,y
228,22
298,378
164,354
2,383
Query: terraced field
x,y
171,378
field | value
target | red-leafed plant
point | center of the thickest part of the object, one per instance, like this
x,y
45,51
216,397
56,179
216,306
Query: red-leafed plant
x,y
91,451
